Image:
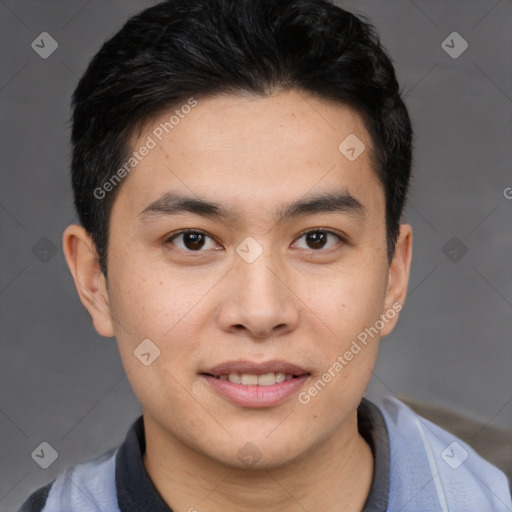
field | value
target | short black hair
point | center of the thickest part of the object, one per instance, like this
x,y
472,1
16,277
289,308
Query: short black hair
x,y
182,49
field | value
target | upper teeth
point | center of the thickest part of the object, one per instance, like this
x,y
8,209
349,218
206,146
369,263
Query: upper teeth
x,y
248,379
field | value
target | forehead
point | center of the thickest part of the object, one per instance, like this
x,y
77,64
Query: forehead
x,y
253,152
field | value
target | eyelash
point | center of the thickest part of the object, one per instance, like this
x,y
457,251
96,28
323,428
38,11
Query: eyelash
x,y
309,231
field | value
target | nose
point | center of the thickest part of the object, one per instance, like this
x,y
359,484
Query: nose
x,y
258,299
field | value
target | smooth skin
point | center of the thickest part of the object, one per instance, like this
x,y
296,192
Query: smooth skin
x,y
201,305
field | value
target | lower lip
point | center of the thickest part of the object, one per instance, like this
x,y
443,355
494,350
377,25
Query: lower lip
x,y
257,396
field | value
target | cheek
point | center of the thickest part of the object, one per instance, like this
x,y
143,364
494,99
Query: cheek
x,y
346,302
164,324
346,309
149,306
150,299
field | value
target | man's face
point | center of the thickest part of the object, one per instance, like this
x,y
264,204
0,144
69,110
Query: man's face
x,y
254,288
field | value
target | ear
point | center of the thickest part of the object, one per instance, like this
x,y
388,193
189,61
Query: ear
x,y
398,279
82,260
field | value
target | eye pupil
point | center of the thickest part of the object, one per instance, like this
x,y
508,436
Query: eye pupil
x,y
315,238
197,240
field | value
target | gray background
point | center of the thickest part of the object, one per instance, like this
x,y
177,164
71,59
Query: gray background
x,y
62,383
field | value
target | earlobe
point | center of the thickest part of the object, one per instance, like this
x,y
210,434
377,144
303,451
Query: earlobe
x,y
82,261
398,278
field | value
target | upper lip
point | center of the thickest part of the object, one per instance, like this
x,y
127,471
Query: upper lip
x,y
255,368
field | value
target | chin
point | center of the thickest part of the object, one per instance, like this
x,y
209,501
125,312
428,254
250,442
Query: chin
x,y
262,455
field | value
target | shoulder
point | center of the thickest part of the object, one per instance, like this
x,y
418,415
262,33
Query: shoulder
x,y
82,487
432,468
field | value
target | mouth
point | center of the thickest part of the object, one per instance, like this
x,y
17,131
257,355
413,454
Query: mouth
x,y
252,379
254,385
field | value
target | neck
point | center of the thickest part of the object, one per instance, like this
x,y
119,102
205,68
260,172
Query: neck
x,y
336,475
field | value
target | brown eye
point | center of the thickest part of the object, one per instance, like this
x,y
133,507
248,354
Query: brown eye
x,y
318,239
191,241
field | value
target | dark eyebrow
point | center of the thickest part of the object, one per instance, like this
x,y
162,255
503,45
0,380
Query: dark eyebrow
x,y
174,204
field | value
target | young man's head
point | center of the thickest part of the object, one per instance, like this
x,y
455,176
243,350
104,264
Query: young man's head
x,y
240,169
